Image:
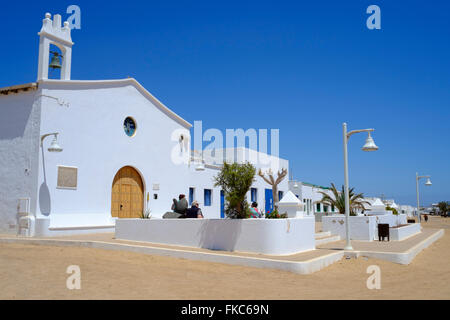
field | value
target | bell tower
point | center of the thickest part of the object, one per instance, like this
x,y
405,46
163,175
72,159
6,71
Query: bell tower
x,y
52,33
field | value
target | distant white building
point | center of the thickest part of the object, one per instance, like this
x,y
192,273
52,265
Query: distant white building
x,y
410,211
311,197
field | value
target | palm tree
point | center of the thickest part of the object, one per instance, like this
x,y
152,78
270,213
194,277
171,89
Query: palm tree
x,y
443,207
338,201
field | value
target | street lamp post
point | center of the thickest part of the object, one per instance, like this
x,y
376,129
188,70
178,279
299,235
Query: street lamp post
x,y
428,183
54,146
368,146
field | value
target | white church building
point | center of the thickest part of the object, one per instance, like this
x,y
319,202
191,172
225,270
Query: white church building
x,y
66,175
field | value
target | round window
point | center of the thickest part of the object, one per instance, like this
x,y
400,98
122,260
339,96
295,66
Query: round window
x,y
129,125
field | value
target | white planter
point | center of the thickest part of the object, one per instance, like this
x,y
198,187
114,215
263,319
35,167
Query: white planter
x,y
266,236
404,232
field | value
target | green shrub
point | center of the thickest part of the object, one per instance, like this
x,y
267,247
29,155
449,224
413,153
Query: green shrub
x,y
394,211
276,215
235,179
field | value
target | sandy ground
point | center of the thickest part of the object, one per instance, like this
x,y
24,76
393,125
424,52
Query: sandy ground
x,y
39,272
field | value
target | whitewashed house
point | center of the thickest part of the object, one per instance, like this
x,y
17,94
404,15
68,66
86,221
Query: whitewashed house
x,y
311,197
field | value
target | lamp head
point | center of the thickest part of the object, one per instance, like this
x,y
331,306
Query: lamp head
x,y
370,144
428,183
54,147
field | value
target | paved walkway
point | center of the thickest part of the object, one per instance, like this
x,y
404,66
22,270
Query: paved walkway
x,y
383,246
402,252
109,238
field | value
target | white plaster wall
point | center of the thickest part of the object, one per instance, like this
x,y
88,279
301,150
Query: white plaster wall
x,y
201,180
404,232
402,219
93,139
205,179
89,118
267,236
19,143
391,219
361,227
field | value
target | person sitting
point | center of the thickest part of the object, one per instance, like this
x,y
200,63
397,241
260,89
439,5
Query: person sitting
x,y
194,211
178,208
181,205
254,212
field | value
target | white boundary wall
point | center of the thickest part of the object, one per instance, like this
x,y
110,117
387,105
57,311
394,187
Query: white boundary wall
x,y
266,236
391,219
402,233
361,227
366,227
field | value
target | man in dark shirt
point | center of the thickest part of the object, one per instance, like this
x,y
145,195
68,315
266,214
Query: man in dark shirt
x,y
194,211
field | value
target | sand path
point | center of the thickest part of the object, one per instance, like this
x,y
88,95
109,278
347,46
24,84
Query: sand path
x,y
39,272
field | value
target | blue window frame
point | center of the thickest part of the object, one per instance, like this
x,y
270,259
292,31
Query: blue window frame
x,y
222,204
269,200
280,195
191,195
207,197
254,194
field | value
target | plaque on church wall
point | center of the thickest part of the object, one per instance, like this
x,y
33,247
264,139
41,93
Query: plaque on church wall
x,y
67,177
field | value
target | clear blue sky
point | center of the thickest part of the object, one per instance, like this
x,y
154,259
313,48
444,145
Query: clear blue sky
x,y
303,67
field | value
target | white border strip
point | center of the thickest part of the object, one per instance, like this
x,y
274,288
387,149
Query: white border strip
x,y
301,267
400,257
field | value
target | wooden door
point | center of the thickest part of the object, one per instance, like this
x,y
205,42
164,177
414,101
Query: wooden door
x,y
127,200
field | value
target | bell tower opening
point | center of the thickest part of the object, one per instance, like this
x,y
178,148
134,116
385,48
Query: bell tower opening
x,y
53,36
55,65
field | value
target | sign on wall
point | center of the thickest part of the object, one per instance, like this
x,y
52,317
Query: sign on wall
x,y
67,177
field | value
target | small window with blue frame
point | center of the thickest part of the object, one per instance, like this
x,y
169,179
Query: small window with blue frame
x,y
254,194
207,197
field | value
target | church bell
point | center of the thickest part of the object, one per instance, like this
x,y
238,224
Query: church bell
x,y
55,64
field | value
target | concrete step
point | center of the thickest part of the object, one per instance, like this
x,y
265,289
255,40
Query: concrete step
x,y
320,235
327,240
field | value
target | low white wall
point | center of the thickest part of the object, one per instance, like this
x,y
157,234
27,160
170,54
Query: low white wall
x,y
402,219
267,236
46,227
391,219
366,227
402,233
361,227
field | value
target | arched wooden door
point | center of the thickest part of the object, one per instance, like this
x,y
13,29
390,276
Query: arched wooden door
x,y
127,194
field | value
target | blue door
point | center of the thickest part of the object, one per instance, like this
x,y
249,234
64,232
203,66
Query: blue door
x,y
222,204
269,200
